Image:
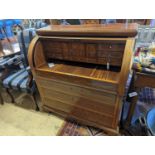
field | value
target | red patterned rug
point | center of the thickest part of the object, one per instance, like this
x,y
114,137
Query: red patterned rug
x,y
75,129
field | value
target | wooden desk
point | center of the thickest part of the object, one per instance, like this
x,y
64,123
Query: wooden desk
x,y
139,80
9,47
81,71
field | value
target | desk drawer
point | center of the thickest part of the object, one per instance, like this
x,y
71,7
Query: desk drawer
x,y
79,101
82,82
79,91
79,112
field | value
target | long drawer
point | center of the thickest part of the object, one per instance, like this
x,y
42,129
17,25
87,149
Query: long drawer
x,y
80,81
78,101
79,112
79,91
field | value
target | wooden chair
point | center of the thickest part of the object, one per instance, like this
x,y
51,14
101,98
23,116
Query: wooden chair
x,y
22,79
11,75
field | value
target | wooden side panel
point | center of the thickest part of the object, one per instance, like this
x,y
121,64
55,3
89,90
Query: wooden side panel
x,y
39,55
126,65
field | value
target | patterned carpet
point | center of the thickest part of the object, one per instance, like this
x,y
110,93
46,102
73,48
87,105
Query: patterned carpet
x,y
75,129
146,102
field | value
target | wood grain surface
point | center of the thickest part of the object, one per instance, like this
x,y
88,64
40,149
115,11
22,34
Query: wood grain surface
x,y
104,30
81,71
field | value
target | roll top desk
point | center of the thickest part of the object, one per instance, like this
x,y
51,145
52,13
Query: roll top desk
x,y
81,71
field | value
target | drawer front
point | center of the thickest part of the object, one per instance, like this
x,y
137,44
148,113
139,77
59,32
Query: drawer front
x,y
83,51
79,91
81,82
78,112
78,101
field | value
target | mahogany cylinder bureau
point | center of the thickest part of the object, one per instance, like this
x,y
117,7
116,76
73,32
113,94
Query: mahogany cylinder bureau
x,y
81,71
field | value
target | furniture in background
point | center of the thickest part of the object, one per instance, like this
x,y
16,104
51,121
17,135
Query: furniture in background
x,y
89,21
6,27
138,21
9,49
8,24
9,54
22,79
81,71
143,66
2,36
139,81
39,24
33,23
81,21
99,21
9,59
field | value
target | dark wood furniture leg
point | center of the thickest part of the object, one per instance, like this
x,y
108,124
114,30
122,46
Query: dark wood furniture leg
x,y
11,96
1,99
131,109
33,97
133,101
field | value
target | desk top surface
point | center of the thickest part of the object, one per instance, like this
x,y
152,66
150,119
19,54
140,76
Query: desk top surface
x,y
100,30
95,73
9,47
